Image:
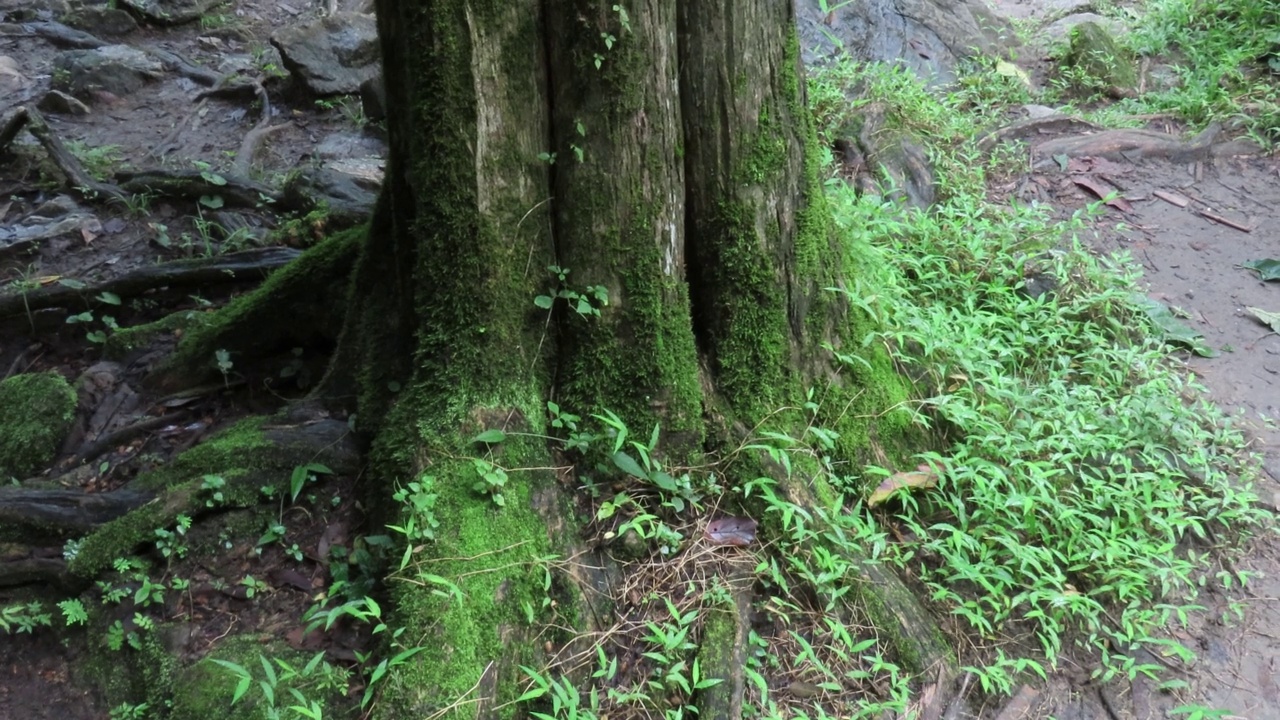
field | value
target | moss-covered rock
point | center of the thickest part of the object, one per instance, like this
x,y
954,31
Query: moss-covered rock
x,y
1096,56
35,413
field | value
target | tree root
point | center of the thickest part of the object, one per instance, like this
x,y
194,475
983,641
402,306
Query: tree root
x,y
250,455
41,516
302,305
81,182
201,272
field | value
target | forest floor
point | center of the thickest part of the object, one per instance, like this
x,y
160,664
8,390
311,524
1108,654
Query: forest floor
x,y
1190,225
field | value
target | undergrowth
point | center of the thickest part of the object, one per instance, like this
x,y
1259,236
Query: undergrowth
x,y
1089,481
1226,55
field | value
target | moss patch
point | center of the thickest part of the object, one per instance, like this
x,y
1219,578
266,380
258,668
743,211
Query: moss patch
x,y
36,410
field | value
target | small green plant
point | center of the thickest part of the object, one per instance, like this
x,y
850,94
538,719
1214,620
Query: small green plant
x,y
212,487
100,162
130,711
173,543
24,618
253,586
303,475
586,303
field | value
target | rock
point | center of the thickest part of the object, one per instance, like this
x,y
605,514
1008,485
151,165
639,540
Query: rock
x,y
115,69
1040,11
60,103
1035,112
1060,29
373,98
29,10
929,36
1098,57
348,188
885,161
36,410
102,21
332,55
342,145
53,209
12,79
171,12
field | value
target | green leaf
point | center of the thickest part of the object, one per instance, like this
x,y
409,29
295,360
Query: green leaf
x,y
490,436
1268,318
1173,330
544,301
212,202
628,465
109,298
1267,268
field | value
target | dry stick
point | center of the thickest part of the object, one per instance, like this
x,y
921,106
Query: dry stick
x,y
119,437
69,164
1224,221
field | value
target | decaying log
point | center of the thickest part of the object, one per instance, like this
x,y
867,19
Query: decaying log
x,y
197,272
48,515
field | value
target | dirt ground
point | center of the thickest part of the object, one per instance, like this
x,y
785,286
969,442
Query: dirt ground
x,y
1191,262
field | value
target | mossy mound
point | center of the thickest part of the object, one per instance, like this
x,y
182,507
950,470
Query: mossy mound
x,y
1097,56
35,413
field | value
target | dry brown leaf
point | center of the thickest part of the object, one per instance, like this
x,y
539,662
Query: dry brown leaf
x,y
921,477
735,531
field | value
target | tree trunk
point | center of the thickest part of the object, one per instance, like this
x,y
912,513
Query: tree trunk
x,y
658,153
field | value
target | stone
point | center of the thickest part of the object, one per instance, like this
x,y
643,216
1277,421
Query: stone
x,y
116,69
1060,29
1096,55
928,36
171,12
57,102
332,55
102,21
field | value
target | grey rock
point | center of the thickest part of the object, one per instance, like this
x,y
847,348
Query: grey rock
x,y
171,12
1035,112
117,69
55,208
332,55
28,10
1095,52
102,21
60,103
1059,30
1040,11
373,98
342,145
928,36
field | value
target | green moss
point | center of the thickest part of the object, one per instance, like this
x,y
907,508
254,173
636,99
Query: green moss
x,y
488,553
295,305
240,454
36,410
127,340
204,689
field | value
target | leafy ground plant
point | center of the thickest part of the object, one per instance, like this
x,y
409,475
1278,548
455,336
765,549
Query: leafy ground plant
x,y
1087,479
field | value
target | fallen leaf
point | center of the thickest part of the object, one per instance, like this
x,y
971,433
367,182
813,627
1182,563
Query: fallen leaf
x,y
922,477
1267,269
735,531
1105,193
1173,330
1268,318
1008,69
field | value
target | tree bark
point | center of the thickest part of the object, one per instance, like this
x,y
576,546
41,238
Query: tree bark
x,y
660,150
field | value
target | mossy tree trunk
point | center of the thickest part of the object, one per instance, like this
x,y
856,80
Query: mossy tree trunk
x,y
682,182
